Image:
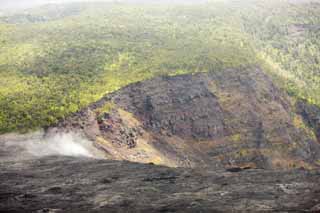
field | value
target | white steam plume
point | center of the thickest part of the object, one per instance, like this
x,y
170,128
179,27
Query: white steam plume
x,y
19,147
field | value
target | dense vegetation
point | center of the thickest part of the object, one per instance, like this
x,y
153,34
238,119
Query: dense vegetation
x,y
57,59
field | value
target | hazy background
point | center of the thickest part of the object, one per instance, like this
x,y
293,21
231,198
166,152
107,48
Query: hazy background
x,y
12,5
25,4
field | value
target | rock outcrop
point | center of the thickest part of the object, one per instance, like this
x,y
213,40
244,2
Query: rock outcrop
x,y
222,119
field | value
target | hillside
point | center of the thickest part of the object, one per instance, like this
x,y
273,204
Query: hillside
x,y
222,119
160,106
57,59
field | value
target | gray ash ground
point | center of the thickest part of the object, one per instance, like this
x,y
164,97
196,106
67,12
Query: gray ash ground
x,y
79,184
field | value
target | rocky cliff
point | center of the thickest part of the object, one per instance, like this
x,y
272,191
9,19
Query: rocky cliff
x,y
222,119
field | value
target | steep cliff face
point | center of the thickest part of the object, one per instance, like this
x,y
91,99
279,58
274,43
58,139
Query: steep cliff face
x,y
229,118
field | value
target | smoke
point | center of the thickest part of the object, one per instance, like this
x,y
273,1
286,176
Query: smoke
x,y
67,144
39,145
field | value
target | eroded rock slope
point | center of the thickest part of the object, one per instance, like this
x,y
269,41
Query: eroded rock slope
x,y
230,118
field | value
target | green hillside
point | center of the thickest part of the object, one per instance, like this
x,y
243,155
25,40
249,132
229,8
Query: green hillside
x,y
58,58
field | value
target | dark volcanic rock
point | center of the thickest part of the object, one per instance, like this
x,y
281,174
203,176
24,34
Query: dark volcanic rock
x,y
181,105
230,118
117,131
63,184
311,115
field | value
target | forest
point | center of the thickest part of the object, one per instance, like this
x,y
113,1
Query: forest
x,y
57,59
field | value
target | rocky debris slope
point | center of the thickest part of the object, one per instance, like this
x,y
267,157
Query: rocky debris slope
x,y
221,119
67,184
